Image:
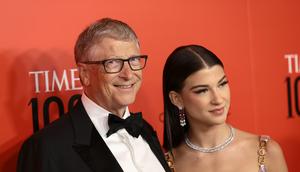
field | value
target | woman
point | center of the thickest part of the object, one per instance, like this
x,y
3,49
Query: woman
x,y
196,104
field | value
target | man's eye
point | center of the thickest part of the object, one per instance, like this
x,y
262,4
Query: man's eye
x,y
135,59
112,63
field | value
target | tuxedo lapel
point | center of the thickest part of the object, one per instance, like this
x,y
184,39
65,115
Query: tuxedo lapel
x,y
151,138
90,145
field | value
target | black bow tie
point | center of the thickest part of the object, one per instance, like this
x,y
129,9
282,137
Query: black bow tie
x,y
133,124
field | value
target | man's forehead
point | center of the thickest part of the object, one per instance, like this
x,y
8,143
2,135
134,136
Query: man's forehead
x,y
109,47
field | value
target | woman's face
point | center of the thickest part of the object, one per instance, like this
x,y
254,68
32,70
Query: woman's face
x,y
205,96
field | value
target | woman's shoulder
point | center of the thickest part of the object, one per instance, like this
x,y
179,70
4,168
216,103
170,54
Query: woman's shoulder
x,y
273,147
249,138
246,138
274,157
275,160
254,140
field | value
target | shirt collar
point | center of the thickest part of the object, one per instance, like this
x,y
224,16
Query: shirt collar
x,y
98,114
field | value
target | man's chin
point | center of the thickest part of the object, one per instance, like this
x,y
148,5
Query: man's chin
x,y
126,101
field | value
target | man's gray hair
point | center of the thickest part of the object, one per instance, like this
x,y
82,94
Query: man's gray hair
x,y
103,28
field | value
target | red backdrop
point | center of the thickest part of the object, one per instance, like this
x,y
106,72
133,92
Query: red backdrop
x,y
257,40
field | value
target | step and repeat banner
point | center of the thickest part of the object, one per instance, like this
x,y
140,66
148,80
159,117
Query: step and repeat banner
x,y
258,41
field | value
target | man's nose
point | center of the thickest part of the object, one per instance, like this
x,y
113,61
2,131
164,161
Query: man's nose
x,y
126,71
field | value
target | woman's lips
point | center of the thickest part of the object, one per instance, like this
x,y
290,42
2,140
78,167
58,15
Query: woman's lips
x,y
217,111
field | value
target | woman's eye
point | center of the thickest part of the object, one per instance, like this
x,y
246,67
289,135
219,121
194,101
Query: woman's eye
x,y
201,91
223,83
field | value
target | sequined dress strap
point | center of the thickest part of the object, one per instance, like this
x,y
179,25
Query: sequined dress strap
x,y
263,140
170,161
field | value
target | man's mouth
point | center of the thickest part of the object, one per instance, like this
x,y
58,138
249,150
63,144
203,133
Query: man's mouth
x,y
125,86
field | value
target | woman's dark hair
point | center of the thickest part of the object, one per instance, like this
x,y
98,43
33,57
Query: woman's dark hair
x,y
181,63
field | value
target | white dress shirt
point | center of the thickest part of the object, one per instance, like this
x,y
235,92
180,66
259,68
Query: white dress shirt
x,y
133,154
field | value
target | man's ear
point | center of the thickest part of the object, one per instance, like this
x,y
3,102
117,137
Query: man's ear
x,y
176,99
84,74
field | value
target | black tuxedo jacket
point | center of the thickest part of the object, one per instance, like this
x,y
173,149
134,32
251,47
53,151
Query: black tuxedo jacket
x,y
72,144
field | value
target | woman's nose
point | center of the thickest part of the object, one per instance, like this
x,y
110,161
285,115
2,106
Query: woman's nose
x,y
216,97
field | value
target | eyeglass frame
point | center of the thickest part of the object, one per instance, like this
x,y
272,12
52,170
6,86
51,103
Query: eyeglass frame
x,y
123,60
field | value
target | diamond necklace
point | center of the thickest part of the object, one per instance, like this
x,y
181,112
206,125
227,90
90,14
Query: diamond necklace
x,y
213,149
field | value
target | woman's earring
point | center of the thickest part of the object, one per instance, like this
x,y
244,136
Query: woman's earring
x,y
182,117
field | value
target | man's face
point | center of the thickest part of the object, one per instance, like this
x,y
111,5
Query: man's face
x,y
112,91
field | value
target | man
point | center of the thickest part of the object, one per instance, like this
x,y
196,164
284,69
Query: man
x,y
100,134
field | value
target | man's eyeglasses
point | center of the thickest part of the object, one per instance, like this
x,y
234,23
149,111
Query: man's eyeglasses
x,y
116,65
